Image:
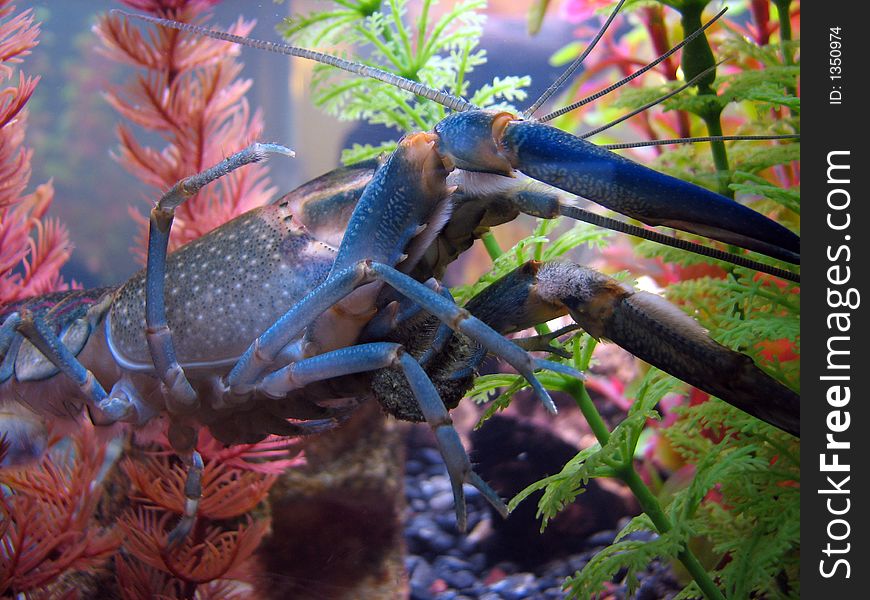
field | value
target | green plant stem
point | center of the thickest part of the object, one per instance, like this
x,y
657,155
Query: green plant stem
x,y
593,417
650,505
720,154
491,245
783,8
647,500
697,57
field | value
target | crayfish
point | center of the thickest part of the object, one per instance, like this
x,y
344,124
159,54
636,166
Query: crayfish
x,y
335,295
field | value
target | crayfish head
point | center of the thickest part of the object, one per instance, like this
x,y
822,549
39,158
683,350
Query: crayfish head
x,y
472,140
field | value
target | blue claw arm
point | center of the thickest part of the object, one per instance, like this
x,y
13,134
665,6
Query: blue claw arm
x,y
498,143
646,325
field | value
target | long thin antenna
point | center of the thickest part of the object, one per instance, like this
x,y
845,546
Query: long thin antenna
x,y
527,114
695,140
580,214
637,73
649,105
447,100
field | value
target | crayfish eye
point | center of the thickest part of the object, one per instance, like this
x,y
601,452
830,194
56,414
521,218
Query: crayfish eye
x,y
499,123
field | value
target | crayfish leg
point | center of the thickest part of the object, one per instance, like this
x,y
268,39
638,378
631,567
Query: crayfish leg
x,y
182,438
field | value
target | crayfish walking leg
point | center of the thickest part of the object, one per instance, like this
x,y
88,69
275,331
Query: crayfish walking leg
x,y
371,357
180,395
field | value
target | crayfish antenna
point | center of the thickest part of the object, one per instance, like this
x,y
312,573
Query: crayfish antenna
x,y
652,103
636,74
530,111
696,140
454,103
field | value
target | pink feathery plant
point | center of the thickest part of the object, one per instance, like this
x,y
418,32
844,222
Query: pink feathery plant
x,y
188,91
33,247
48,532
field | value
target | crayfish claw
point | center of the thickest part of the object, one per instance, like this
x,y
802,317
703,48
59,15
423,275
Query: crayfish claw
x,y
490,494
561,368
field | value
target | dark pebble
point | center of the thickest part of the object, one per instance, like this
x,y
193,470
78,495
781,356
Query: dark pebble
x,y
602,538
478,562
460,579
516,587
421,578
444,564
442,501
414,467
446,521
431,456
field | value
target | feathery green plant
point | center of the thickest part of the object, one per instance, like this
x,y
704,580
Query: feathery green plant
x,y
438,52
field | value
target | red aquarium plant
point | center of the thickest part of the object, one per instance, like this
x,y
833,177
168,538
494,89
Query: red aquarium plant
x,y
47,531
33,248
187,91
216,561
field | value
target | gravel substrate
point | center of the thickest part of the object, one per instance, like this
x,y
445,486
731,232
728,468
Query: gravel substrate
x,y
443,564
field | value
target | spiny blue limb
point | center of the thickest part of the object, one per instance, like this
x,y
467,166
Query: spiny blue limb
x,y
476,481
181,396
125,404
104,409
7,366
189,186
192,496
461,320
35,329
559,368
455,458
10,341
8,332
266,347
344,361
458,466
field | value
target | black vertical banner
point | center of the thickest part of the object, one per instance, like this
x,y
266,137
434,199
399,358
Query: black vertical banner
x,y
834,256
